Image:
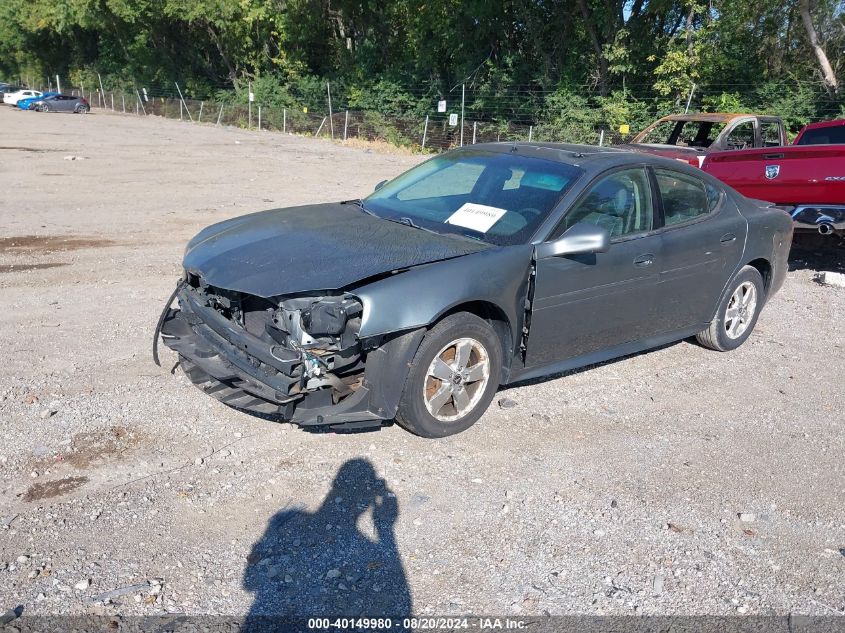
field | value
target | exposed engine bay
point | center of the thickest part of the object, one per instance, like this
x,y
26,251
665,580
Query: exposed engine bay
x,y
270,354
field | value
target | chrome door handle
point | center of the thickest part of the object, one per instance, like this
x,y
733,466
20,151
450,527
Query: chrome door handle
x,y
646,259
727,238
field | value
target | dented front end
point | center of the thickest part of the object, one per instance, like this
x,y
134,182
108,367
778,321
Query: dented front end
x,y
299,357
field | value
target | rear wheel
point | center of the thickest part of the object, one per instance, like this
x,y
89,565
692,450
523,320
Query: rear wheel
x,y
738,312
81,109
453,377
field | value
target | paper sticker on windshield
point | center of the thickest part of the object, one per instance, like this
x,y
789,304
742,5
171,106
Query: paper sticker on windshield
x,y
478,217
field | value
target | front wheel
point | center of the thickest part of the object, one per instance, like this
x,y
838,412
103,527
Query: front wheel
x,y
43,108
453,377
738,312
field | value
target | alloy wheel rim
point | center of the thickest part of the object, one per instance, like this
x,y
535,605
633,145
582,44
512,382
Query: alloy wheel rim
x,y
456,379
741,309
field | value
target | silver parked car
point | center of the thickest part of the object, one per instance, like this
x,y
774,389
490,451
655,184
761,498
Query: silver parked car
x,y
61,103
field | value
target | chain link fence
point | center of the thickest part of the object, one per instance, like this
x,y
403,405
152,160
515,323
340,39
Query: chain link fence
x,y
431,133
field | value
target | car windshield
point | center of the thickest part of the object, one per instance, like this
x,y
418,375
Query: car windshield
x,y
696,134
500,198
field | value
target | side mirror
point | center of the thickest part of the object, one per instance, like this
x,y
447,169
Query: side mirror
x,y
579,239
380,185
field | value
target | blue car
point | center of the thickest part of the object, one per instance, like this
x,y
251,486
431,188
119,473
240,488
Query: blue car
x,y
27,104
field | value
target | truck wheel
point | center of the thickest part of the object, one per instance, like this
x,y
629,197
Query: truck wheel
x,y
453,377
737,314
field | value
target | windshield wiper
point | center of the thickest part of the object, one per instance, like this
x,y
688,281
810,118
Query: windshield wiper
x,y
409,222
360,204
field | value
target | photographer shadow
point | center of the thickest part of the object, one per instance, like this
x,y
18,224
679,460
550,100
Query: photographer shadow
x,y
340,561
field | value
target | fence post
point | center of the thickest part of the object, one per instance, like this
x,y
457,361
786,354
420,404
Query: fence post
x,y
284,119
259,117
123,102
425,132
199,119
220,114
140,102
474,126
180,110
331,120
182,99
463,96
345,124
601,138
58,84
103,92
322,123
111,94
249,106
530,132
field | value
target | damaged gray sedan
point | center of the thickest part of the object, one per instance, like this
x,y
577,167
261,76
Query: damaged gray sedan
x,y
478,268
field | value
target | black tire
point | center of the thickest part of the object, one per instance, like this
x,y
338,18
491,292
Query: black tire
x,y
81,109
44,108
717,336
413,413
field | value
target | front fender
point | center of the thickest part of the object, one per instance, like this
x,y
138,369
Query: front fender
x,y
419,296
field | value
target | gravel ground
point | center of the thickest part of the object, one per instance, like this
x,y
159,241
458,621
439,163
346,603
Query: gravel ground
x,y
682,481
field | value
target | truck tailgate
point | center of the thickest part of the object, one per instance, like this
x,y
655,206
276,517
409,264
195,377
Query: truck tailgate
x,y
791,175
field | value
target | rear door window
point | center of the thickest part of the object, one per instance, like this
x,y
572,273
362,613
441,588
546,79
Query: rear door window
x,y
684,197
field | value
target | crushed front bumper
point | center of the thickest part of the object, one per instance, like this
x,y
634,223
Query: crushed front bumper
x,y
241,370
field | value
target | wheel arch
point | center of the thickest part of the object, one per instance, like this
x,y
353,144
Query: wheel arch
x,y
764,267
498,320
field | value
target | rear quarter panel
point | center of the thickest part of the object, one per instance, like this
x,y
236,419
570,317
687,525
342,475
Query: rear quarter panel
x,y
769,238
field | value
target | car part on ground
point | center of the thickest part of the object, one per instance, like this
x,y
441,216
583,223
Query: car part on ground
x,y
478,268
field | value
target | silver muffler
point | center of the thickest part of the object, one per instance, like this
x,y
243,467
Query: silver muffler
x,y
825,228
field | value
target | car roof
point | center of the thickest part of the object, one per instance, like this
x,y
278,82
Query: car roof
x,y
714,117
822,124
589,157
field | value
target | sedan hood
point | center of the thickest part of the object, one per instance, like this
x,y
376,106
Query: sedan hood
x,y
318,247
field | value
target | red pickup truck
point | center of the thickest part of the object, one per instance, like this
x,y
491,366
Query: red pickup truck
x,y
807,177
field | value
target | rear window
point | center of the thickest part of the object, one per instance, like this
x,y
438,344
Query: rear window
x,y
824,136
684,197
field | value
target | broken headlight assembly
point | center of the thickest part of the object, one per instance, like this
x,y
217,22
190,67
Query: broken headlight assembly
x,y
323,331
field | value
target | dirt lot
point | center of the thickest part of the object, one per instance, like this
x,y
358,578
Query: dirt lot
x,y
616,490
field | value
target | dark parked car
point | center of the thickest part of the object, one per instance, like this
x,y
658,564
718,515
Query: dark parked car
x,y
61,103
480,267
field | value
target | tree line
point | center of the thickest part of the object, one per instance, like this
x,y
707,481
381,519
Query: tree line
x,y
545,60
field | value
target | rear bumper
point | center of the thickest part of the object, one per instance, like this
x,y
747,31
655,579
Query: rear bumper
x,y
251,374
823,219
